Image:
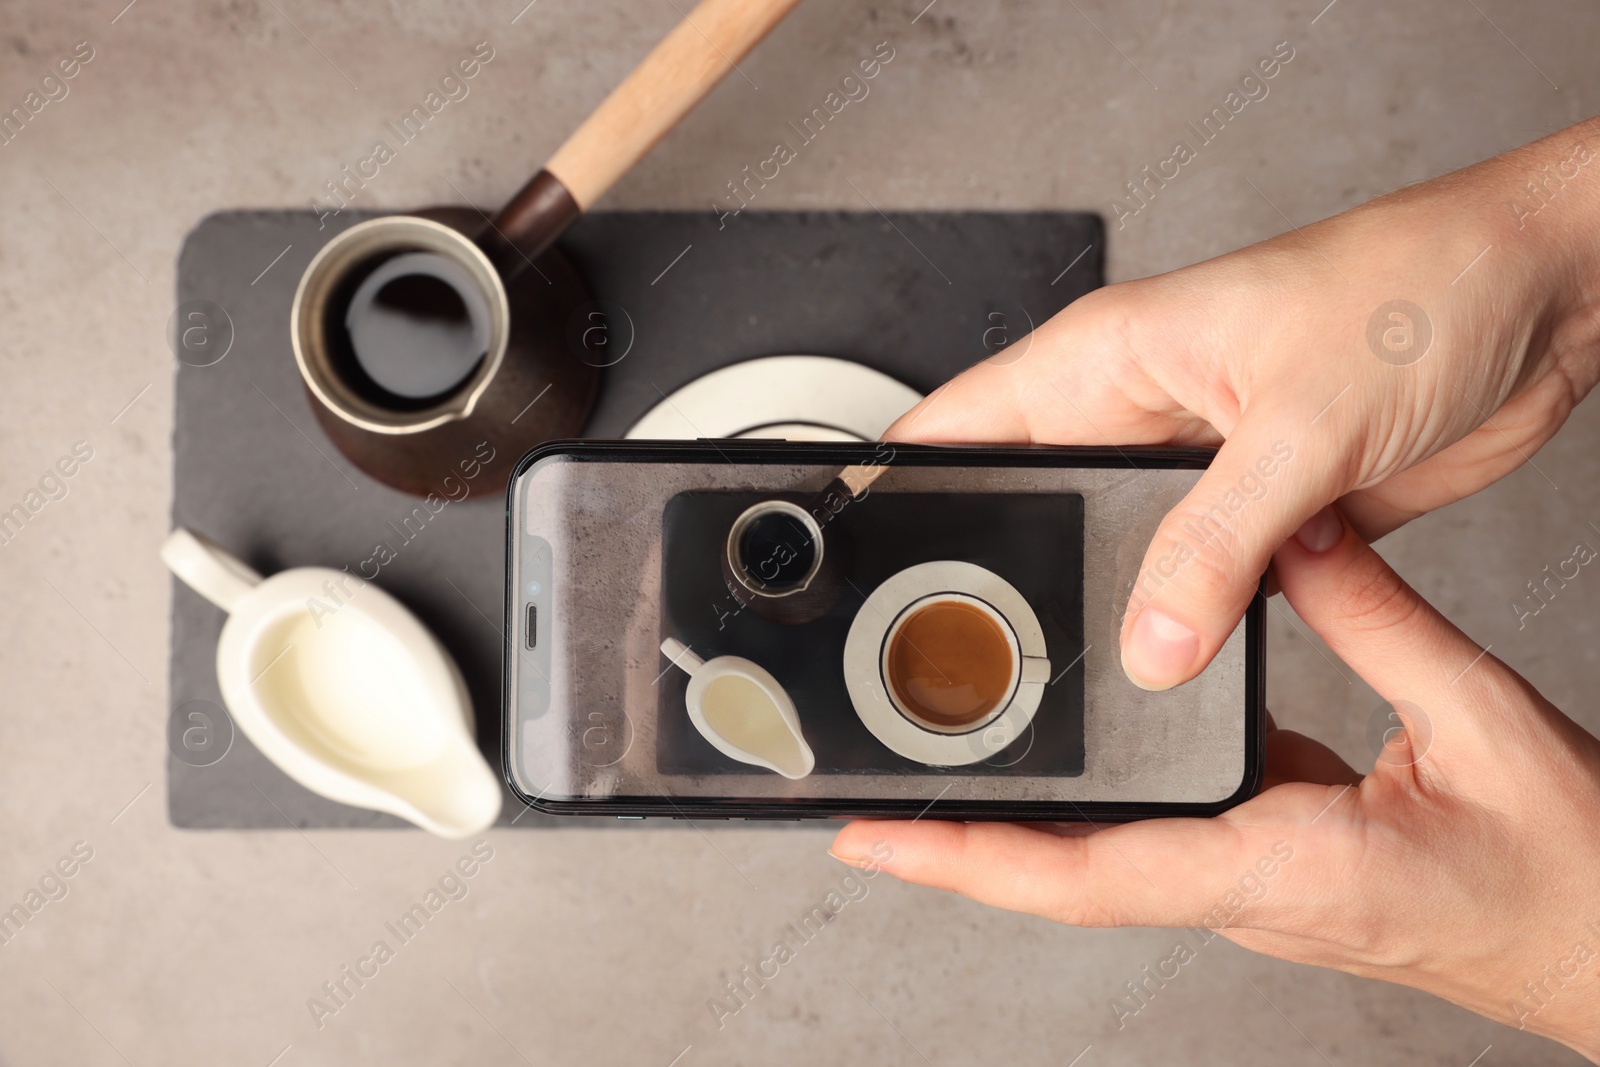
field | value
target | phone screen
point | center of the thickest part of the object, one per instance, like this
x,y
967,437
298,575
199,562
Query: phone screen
x,y
778,629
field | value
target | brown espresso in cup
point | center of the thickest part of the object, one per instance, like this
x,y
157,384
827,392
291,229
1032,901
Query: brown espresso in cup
x,y
949,664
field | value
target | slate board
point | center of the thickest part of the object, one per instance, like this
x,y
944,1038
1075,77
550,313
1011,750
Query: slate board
x,y
917,295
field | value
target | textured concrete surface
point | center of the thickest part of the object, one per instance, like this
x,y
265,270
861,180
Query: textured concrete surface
x,y
577,946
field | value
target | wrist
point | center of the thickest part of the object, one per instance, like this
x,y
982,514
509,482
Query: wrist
x,y
1548,211
1560,998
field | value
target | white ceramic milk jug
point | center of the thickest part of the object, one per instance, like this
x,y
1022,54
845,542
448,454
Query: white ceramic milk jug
x,y
350,696
742,710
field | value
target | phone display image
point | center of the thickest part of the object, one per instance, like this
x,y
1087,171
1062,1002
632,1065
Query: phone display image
x,y
784,630
894,623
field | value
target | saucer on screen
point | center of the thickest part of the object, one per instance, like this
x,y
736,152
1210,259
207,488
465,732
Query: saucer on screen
x,y
863,674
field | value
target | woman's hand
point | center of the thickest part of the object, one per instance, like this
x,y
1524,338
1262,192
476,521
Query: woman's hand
x,y
1468,867
1404,354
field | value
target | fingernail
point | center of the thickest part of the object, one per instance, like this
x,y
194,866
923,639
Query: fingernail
x,y
849,859
1159,651
1321,531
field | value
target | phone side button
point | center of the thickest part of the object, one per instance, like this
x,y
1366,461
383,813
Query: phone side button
x,y
630,816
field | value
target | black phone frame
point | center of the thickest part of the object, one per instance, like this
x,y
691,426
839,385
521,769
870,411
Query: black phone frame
x,y
843,454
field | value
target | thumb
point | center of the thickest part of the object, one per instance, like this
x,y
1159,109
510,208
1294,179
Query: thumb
x,y
1205,562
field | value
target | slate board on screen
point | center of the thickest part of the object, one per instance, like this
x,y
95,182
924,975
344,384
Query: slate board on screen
x,y
1032,540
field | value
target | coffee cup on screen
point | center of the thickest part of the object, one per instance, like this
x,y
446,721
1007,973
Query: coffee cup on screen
x,y
952,663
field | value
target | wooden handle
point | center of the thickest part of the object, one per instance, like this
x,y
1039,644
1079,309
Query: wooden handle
x,y
673,78
858,477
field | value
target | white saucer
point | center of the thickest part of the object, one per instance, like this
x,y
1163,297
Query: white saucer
x,y
798,398
863,674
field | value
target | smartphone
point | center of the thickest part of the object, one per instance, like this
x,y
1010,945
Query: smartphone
x,y
765,629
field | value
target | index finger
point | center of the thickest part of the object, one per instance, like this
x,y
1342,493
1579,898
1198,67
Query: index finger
x,y
1405,649
1165,872
1072,381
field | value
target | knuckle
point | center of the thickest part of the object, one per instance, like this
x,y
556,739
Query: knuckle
x,y
1109,316
1084,903
1064,883
1090,915
1374,598
1196,550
